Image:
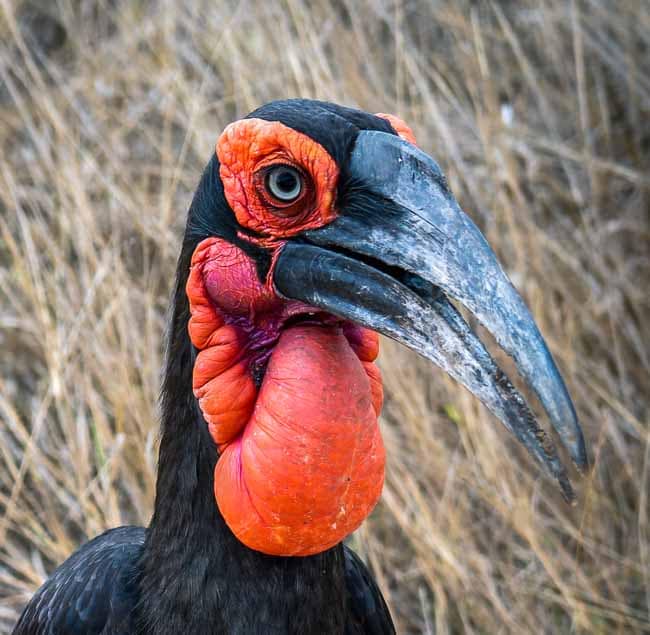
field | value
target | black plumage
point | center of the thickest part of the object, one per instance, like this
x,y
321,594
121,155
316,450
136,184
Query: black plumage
x,y
187,573
96,592
92,591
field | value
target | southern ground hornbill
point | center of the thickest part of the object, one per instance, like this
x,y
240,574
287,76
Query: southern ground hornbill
x,y
314,228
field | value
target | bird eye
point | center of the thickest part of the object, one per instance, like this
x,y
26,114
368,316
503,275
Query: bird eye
x,y
284,183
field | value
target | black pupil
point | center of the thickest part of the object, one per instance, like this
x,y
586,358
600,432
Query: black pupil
x,y
286,181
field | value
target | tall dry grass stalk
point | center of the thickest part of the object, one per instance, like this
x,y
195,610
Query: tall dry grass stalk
x,y
538,112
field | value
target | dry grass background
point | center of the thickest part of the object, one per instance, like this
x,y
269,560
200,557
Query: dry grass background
x,y
538,112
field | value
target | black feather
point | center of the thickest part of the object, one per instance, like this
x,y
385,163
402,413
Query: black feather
x,y
92,592
332,126
367,610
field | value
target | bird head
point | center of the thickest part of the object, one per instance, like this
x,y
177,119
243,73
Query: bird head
x,y
314,228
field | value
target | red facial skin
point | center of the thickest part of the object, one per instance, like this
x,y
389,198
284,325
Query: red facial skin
x,y
245,148
302,459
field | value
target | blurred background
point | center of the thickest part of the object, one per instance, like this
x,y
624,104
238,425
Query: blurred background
x,y
538,113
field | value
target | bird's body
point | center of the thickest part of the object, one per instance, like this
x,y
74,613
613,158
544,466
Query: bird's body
x,y
187,573
96,591
270,454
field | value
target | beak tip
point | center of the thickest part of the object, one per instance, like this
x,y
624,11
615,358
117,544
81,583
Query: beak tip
x,y
580,459
566,489
577,448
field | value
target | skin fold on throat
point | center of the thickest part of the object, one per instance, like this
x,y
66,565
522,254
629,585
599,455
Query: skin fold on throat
x,y
291,397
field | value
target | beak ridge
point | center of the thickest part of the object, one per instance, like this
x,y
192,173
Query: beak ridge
x,y
400,220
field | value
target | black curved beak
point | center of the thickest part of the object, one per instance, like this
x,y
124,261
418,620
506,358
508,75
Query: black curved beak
x,y
400,246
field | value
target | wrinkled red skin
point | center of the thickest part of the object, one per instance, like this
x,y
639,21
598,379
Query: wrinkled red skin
x,y
399,126
248,146
309,466
302,459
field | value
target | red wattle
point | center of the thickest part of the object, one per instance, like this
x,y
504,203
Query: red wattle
x,y
302,460
309,466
